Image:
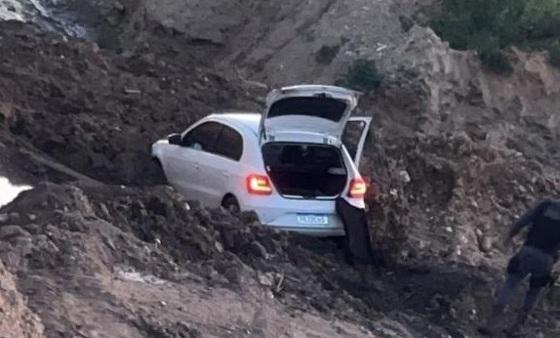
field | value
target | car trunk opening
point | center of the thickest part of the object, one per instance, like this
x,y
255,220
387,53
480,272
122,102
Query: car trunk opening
x,y
305,170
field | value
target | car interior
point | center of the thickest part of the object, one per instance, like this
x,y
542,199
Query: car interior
x,y
305,170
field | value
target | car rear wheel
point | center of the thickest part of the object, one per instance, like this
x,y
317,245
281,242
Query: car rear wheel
x,y
230,204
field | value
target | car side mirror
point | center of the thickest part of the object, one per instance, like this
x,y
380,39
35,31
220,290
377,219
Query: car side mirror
x,y
174,139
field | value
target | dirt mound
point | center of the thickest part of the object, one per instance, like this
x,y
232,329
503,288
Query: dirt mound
x,y
130,262
459,152
98,113
78,244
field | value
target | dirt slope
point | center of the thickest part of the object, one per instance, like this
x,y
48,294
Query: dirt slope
x,y
276,42
99,113
440,119
456,152
140,264
112,262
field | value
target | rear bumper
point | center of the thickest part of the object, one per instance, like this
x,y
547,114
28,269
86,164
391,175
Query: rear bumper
x,y
318,232
289,222
282,214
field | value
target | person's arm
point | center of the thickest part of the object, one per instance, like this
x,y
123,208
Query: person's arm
x,y
527,218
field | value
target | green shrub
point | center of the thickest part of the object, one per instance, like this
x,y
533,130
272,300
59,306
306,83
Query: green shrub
x,y
362,75
554,54
496,61
326,54
492,25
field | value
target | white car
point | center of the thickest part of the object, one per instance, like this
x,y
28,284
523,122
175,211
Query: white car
x,y
289,164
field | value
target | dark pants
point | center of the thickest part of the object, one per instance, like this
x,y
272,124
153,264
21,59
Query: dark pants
x,y
357,241
531,262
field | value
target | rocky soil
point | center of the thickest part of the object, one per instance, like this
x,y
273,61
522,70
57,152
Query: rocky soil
x,y
101,261
96,112
99,249
441,121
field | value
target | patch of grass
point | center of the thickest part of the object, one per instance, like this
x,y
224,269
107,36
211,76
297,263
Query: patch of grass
x,y
326,54
362,75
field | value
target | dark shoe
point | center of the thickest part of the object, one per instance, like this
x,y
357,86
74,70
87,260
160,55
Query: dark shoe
x,y
517,330
493,323
486,331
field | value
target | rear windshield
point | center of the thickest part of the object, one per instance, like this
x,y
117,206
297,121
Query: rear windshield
x,y
331,109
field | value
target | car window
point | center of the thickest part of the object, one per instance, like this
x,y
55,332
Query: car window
x,y
352,135
230,144
331,109
203,137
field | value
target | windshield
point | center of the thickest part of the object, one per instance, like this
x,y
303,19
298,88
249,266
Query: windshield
x,y
330,109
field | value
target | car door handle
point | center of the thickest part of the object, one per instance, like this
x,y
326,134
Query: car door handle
x,y
196,166
225,173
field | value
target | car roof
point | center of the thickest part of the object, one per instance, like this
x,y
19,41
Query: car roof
x,y
249,121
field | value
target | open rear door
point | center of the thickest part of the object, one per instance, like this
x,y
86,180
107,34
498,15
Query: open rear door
x,y
354,136
307,109
358,241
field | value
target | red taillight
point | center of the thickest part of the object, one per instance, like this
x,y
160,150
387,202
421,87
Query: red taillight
x,y
357,188
259,185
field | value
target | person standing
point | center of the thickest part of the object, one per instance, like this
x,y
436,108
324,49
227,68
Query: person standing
x,y
535,260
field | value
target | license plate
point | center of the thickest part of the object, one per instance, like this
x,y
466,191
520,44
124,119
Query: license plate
x,y
312,219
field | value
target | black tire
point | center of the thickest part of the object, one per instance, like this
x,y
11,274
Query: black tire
x,y
230,204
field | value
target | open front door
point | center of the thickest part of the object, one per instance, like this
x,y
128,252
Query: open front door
x,y
354,136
